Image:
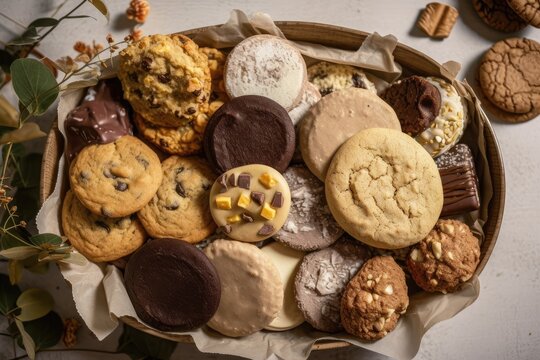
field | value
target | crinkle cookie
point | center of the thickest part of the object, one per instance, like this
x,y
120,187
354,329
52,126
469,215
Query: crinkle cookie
x,y
166,79
97,237
181,209
446,258
328,77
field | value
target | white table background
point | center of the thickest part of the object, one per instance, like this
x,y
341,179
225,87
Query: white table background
x,y
504,322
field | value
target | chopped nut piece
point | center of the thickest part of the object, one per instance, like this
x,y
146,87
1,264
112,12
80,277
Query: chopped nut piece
x,y
379,325
375,297
369,298
223,202
447,228
389,290
433,282
450,255
369,283
436,248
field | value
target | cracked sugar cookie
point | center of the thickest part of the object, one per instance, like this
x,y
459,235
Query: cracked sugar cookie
x,y
384,189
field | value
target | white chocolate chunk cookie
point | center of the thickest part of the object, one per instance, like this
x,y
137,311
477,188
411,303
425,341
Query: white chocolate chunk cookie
x,y
384,189
250,203
268,66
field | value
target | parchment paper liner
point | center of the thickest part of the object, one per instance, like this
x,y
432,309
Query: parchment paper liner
x,y
99,292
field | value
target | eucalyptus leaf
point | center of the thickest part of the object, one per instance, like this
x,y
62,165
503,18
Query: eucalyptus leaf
x,y
102,8
139,345
34,303
15,268
6,59
34,84
46,241
19,252
8,295
46,332
28,131
80,17
76,259
29,37
44,22
27,340
9,116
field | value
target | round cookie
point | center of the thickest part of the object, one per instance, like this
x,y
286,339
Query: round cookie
x,y
268,66
384,189
329,77
115,179
505,115
321,280
287,261
180,208
310,225
448,127
172,285
311,97
337,117
252,291
446,258
99,238
416,102
498,15
165,78
374,299
250,203
509,75
528,10
249,129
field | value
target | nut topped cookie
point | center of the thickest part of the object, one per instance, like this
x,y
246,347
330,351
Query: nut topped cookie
x,y
446,258
165,78
180,208
374,299
115,179
329,77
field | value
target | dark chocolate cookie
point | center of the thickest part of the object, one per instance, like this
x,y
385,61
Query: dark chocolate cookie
x,y
172,285
498,15
416,103
249,129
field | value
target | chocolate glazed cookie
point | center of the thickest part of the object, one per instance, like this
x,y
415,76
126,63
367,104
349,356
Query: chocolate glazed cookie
x,y
249,129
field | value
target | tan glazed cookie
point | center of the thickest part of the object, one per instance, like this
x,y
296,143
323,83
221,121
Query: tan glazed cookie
x,y
498,15
374,299
180,208
329,77
529,10
115,179
251,288
99,238
509,75
384,189
250,203
337,117
166,79
446,258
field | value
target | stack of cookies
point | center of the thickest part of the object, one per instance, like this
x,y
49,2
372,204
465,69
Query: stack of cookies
x,y
256,193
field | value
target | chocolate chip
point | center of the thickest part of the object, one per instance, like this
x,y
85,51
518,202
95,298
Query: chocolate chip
x,y
191,110
247,218
153,103
222,181
146,63
277,200
203,99
358,81
163,143
164,78
231,180
197,92
107,173
133,77
258,197
84,176
244,181
206,187
173,206
121,186
180,190
226,228
142,161
214,96
177,114
103,225
138,92
325,91
266,230
179,170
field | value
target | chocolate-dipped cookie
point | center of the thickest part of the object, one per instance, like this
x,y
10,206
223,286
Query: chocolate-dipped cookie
x,y
172,285
249,129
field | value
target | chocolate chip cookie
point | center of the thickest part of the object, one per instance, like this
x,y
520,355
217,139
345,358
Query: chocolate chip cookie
x,y
100,238
115,179
180,208
328,77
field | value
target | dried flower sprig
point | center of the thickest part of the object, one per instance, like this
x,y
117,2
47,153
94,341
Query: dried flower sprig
x,y
138,10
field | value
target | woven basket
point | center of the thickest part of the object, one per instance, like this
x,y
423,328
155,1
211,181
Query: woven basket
x,y
344,38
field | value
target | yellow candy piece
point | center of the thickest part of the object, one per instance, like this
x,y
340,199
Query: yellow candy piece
x,y
234,219
223,202
267,212
267,180
243,201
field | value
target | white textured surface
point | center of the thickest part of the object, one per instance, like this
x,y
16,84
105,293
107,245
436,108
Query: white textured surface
x,y
503,323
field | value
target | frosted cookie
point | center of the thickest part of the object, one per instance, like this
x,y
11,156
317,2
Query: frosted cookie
x,y
374,299
311,97
172,285
97,237
448,127
328,77
250,203
287,261
384,189
310,225
336,118
180,208
268,66
446,258
251,288
321,280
